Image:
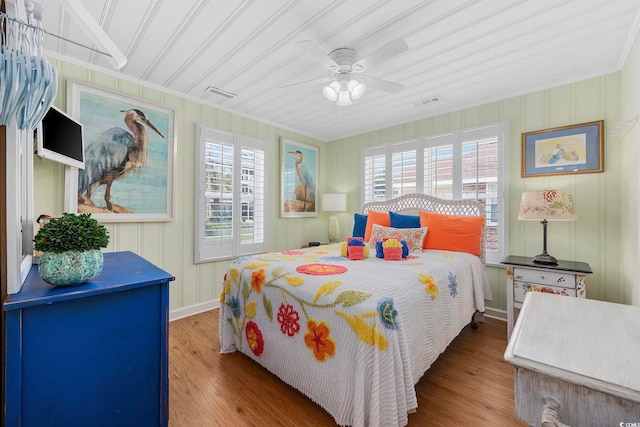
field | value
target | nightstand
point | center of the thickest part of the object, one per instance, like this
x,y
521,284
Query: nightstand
x,y
564,375
567,278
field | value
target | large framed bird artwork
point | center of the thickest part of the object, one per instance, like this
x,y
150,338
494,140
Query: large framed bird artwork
x,y
299,178
129,152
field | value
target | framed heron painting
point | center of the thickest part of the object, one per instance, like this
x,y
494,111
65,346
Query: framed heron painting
x,y
299,179
129,151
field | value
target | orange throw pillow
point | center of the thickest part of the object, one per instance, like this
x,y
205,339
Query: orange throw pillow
x,y
453,233
380,218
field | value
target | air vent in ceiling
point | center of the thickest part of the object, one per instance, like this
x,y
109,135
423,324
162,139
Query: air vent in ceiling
x,y
220,92
428,101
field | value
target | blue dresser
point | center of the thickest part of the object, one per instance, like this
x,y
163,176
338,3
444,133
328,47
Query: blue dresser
x,y
90,355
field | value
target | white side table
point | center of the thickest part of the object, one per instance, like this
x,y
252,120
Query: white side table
x,y
567,278
576,360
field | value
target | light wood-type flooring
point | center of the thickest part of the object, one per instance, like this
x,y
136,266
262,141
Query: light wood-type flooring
x,y
469,385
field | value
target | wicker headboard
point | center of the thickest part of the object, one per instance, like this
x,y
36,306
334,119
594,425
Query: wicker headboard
x,y
410,204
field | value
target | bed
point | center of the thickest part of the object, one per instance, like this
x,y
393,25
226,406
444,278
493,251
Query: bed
x,y
355,336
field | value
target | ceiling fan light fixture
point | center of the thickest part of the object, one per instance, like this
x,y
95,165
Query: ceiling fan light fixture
x,y
356,88
344,98
331,91
343,91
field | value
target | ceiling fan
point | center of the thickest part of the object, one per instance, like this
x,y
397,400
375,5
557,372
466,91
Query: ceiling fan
x,y
346,82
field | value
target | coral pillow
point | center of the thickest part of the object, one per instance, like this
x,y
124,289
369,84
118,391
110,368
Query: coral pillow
x,y
453,233
380,218
413,236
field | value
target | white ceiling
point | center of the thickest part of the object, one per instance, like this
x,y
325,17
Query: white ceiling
x,y
468,52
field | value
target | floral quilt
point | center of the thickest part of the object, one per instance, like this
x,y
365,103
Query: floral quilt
x,y
354,336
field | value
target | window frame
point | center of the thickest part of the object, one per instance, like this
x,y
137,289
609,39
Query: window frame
x,y
19,207
206,251
456,139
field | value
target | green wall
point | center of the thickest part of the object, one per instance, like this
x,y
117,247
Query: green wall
x,y
170,245
599,236
605,235
630,184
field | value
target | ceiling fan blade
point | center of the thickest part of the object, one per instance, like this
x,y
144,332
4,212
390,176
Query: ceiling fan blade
x,y
316,53
308,82
384,85
386,52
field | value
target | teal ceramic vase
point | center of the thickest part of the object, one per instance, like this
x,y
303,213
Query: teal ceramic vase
x,y
71,267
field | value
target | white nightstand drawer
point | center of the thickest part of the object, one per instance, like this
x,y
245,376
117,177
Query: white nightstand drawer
x,y
520,290
542,277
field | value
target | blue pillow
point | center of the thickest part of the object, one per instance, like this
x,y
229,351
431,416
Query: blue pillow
x,y
404,221
359,225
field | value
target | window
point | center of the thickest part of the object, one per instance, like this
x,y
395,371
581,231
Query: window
x,y
231,202
466,164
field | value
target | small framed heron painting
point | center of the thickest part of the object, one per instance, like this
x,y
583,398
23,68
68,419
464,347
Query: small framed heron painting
x,y
566,150
299,180
129,148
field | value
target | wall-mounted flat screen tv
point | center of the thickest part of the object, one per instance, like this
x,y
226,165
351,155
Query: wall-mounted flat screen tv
x,y
60,138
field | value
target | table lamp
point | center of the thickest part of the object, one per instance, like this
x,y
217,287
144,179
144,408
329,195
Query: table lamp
x,y
543,206
334,203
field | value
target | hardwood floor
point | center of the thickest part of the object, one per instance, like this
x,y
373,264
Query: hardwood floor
x,y
469,385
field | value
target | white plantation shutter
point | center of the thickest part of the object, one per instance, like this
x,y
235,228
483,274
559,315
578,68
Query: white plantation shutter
x,y
389,171
374,169
403,172
482,178
231,202
252,201
440,154
462,164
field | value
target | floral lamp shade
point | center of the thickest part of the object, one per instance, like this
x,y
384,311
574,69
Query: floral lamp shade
x,y
543,206
552,205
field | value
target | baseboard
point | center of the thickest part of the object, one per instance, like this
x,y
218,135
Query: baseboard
x,y
193,309
495,313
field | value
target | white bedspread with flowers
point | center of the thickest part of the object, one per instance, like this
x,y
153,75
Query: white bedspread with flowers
x,y
353,336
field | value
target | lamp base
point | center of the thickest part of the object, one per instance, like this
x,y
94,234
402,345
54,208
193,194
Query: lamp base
x,y
334,229
545,258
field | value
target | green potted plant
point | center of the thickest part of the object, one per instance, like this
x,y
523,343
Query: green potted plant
x,y
70,248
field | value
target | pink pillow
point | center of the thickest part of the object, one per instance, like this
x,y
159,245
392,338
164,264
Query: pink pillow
x,y
413,236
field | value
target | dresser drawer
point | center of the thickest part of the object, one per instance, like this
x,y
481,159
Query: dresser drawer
x,y
520,290
541,277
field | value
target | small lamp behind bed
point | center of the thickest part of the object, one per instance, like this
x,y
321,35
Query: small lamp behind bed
x,y
543,206
334,203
